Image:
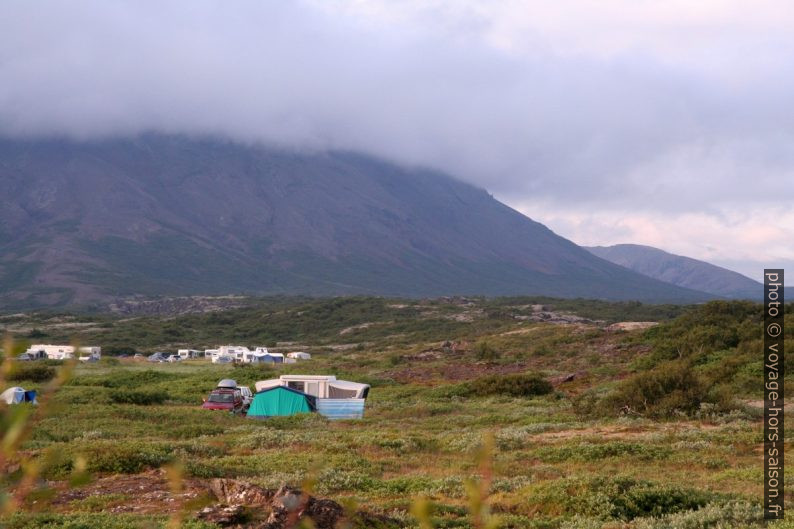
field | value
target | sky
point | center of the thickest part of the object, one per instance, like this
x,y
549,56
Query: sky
x,y
666,123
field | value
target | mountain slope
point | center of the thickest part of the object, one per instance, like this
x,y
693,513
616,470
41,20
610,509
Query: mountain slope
x,y
160,215
681,271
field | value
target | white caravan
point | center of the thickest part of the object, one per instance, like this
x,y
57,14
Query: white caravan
x,y
63,352
186,354
320,386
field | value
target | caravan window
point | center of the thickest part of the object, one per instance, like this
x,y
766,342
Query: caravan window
x,y
295,385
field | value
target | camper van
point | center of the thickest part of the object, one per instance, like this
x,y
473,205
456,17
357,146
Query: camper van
x,y
186,354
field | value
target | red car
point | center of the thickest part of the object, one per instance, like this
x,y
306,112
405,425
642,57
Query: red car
x,y
224,399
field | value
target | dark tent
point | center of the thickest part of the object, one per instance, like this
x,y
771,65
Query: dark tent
x,y
281,401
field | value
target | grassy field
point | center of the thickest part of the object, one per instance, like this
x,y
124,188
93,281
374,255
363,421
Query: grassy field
x,y
651,428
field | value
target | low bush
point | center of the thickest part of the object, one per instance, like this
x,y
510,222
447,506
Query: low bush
x,y
126,457
141,398
104,520
105,456
712,516
449,391
587,451
125,379
31,372
485,351
526,385
615,498
659,392
116,350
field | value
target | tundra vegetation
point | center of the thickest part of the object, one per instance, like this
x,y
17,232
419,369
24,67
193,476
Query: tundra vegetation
x,y
483,413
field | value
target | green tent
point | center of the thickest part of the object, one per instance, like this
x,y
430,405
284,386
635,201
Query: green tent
x,y
280,401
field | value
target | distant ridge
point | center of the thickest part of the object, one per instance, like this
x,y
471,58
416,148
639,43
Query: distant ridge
x,y
84,222
681,271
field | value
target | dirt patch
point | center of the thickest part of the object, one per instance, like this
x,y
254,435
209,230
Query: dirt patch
x,y
149,492
224,502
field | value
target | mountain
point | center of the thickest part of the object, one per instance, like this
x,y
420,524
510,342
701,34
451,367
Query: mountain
x,y
84,222
681,271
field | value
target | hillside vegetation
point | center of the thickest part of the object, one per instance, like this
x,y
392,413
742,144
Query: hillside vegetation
x,y
163,215
566,425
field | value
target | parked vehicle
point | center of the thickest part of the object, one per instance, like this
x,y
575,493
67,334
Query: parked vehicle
x,y
156,357
186,354
222,359
225,399
248,397
173,358
227,383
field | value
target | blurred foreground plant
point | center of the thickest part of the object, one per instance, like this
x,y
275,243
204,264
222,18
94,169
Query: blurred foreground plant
x,y
477,490
20,471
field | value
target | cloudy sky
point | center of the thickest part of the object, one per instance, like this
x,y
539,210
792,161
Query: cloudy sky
x,y
667,123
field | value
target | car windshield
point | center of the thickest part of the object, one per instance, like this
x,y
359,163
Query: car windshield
x,y
221,397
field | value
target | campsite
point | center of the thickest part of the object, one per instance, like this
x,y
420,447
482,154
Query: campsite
x,y
522,397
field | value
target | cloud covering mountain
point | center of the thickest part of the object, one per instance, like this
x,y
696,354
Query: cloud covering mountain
x,y
637,114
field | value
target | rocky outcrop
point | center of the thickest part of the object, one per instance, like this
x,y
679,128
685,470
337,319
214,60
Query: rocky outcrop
x,y
243,505
631,325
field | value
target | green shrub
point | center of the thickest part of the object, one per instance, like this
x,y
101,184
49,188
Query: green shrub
x,y
199,469
125,457
106,456
485,351
718,515
142,398
660,392
116,350
125,379
31,372
587,451
615,498
450,390
713,326
93,520
50,362
526,385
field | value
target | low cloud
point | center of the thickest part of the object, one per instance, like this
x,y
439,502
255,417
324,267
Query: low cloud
x,y
640,112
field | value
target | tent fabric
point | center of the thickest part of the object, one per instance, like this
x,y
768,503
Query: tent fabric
x,y
340,393
16,395
281,401
344,389
271,359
